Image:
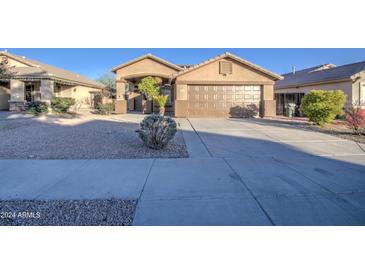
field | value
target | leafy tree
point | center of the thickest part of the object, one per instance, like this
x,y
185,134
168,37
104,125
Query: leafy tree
x,y
149,87
322,106
108,79
5,71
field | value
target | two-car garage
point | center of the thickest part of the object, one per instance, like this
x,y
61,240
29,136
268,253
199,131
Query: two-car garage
x,y
225,86
223,100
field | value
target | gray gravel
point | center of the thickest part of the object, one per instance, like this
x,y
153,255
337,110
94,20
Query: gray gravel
x,y
67,212
89,139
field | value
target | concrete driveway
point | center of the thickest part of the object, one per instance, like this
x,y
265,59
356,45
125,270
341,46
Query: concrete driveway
x,y
240,172
256,172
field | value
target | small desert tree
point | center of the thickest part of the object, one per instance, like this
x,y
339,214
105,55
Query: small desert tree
x,y
355,117
108,79
322,106
149,87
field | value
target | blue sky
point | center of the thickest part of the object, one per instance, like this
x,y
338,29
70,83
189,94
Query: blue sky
x,y
94,62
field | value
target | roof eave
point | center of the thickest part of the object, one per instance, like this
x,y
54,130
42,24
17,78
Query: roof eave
x,y
52,77
234,57
145,57
315,83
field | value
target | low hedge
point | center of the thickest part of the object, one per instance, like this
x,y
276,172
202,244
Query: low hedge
x,y
37,108
62,104
106,109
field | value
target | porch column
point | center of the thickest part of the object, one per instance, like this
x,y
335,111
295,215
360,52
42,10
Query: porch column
x,y
47,90
268,103
181,100
120,102
16,102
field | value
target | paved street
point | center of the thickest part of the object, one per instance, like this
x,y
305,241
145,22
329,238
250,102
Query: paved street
x,y
240,172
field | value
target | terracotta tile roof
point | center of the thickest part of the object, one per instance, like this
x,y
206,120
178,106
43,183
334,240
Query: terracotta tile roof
x,y
318,74
39,70
234,57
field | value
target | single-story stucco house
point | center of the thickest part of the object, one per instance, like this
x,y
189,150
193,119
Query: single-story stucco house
x,y
34,81
219,87
348,78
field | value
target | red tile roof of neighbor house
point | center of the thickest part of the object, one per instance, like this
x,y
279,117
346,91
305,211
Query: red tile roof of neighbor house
x,y
38,70
318,74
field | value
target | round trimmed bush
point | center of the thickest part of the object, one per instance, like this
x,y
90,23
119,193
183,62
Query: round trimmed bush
x,y
157,131
322,106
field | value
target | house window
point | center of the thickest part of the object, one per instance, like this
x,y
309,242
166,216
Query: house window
x,y
225,67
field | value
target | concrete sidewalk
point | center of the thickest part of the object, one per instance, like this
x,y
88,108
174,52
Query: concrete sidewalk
x,y
212,191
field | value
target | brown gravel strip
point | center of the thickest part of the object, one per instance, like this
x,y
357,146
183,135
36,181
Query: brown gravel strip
x,y
67,212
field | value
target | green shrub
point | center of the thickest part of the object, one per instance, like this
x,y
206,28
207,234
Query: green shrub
x,y
322,107
157,131
106,109
37,108
62,104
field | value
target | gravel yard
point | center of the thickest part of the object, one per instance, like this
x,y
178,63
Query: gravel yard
x,y
84,137
64,213
338,128
341,130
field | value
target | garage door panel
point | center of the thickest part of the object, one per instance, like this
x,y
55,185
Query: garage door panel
x,y
220,100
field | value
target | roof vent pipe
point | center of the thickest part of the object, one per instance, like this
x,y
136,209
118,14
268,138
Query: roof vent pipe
x,y
293,69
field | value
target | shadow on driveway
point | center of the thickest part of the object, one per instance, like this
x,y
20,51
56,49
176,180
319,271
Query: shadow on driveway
x,y
250,178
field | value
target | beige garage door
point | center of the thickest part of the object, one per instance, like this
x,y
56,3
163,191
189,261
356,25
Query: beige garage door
x,y
223,101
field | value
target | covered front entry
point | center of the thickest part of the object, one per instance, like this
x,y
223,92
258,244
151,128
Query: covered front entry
x,y
136,101
223,100
283,99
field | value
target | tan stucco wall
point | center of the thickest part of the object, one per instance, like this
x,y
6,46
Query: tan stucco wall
x,y
47,90
210,72
79,93
146,66
181,92
268,92
346,87
17,90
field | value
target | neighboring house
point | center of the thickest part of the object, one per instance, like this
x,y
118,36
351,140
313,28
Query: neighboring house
x,y
220,87
348,78
34,81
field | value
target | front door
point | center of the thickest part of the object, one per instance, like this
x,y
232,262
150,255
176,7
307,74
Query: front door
x,y
29,93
